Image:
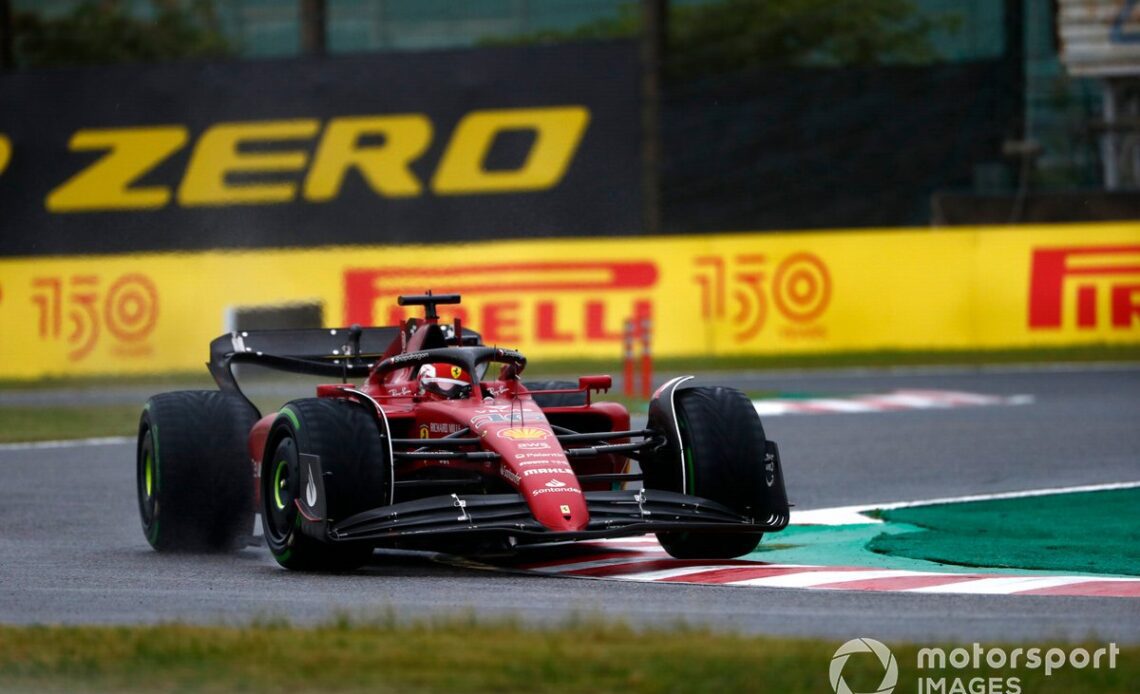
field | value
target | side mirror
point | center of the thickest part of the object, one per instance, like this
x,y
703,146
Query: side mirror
x,y
596,383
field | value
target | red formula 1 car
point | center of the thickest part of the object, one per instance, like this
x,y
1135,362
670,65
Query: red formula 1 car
x,y
430,451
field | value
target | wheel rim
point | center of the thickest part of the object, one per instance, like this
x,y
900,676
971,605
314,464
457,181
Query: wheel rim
x,y
148,485
280,491
280,480
149,464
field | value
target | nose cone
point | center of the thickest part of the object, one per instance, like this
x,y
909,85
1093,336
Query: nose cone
x,y
555,499
533,461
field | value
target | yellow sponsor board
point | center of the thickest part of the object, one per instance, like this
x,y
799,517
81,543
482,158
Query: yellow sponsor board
x,y
726,294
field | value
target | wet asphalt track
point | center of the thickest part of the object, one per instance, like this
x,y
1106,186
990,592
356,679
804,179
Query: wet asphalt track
x,y
72,550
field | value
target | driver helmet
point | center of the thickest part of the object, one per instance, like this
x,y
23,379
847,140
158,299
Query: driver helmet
x,y
447,381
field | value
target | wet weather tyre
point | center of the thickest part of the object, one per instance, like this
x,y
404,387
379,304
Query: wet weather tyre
x,y
356,475
556,399
194,478
723,445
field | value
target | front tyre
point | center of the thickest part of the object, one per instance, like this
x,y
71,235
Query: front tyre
x,y
194,480
723,447
355,476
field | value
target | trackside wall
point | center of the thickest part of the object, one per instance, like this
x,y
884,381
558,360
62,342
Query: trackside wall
x,y
725,294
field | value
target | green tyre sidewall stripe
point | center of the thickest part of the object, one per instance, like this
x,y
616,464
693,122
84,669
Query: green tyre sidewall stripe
x,y
289,414
154,521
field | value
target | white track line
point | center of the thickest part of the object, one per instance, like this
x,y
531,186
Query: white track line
x,y
664,575
808,579
893,401
1005,585
851,515
70,443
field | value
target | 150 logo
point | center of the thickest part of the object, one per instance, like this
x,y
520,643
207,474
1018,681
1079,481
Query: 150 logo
x,y
263,156
77,309
1083,278
799,286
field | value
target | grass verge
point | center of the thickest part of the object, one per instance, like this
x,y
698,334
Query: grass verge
x,y
47,423
469,656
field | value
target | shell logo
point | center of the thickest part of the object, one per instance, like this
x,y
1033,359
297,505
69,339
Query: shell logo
x,y
522,434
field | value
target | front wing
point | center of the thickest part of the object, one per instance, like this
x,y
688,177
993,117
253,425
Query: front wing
x,y
506,517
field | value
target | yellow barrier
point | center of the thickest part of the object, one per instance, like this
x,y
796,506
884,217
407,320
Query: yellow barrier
x,y
727,294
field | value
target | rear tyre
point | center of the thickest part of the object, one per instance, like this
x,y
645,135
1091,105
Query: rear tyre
x,y
556,399
723,445
194,478
356,476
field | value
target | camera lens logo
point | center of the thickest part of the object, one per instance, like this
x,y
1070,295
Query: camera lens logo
x,y
886,658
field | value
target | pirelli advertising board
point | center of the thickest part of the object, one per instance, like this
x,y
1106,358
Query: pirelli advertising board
x,y
373,149
732,294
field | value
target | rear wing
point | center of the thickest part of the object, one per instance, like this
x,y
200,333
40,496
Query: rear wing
x,y
333,352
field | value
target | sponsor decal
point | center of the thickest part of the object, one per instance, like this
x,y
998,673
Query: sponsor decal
x,y
545,303
548,471
399,392
524,459
522,433
555,490
737,291
485,419
424,433
533,445
564,509
442,427
555,484
311,500
509,476
311,488
84,310
1082,278
224,150
410,356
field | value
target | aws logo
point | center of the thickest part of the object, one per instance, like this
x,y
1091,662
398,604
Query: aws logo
x,y
269,162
